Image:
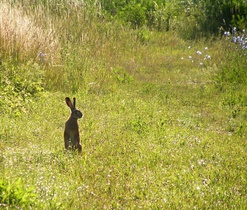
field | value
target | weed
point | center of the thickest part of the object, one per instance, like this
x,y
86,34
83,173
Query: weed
x,y
14,195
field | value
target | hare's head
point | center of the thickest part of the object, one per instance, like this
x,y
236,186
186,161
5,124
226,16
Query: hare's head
x,y
75,113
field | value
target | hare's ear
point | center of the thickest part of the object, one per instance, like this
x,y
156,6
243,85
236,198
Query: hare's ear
x,y
74,102
68,102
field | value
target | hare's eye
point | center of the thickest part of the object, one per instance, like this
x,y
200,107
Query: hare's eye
x,y
78,114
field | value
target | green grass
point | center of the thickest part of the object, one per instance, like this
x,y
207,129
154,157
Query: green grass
x,y
159,132
134,154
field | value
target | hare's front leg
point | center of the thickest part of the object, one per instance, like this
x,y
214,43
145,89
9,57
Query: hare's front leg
x,y
66,140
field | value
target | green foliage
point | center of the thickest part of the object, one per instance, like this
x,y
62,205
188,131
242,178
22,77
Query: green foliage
x,y
189,18
224,14
159,17
135,14
15,196
19,83
164,122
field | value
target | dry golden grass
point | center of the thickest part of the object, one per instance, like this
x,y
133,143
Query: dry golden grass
x,y
22,38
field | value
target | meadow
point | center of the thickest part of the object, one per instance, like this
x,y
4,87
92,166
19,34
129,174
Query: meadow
x,y
165,118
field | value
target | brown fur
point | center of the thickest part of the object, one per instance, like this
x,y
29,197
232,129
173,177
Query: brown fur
x,y
71,131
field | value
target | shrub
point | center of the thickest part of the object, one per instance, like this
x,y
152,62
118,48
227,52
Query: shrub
x,y
133,13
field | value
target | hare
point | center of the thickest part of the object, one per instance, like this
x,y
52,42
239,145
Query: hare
x,y
71,132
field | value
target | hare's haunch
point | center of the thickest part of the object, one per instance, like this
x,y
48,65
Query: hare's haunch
x,y
71,131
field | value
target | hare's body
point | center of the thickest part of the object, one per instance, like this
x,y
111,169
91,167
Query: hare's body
x,y
71,132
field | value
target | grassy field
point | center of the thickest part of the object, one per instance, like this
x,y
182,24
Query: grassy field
x,y
164,123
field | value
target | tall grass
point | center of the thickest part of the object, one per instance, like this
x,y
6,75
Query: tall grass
x,y
21,38
164,119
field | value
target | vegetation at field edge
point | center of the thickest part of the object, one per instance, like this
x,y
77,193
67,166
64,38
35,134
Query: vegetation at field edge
x,y
163,97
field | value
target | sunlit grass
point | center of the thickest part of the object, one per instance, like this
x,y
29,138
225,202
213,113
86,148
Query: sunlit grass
x,y
158,131
133,155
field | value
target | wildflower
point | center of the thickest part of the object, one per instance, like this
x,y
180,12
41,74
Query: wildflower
x,y
201,162
42,57
234,39
239,39
244,47
206,48
199,52
227,33
189,47
201,63
205,181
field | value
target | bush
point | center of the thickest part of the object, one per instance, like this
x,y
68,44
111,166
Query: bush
x,y
135,14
